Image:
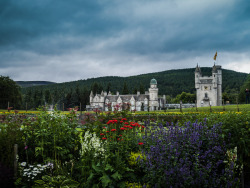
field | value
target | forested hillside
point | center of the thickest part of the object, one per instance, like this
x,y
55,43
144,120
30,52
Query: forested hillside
x,y
171,83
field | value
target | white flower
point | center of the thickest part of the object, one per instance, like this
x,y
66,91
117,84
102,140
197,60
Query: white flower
x,y
23,164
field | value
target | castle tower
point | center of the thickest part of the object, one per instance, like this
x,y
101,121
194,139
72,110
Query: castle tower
x,y
197,77
153,95
217,80
208,88
91,97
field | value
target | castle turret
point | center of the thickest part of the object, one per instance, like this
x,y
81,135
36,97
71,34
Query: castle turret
x,y
153,95
91,97
197,76
217,83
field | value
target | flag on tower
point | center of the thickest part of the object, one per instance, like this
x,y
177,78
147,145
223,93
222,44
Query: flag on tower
x,y
215,56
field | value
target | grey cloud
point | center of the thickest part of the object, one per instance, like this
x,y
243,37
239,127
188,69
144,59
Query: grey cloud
x,y
168,33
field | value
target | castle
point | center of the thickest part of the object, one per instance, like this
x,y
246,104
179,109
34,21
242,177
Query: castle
x,y
150,101
208,92
208,88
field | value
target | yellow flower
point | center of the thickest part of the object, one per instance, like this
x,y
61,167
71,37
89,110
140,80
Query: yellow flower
x,y
133,158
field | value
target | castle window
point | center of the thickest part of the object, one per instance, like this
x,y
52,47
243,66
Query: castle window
x,y
210,88
205,95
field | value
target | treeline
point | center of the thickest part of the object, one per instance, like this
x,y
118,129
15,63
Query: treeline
x,y
175,84
67,97
170,83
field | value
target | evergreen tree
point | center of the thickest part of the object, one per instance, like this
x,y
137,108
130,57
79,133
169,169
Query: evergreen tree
x,y
47,97
125,90
108,87
142,89
135,91
95,88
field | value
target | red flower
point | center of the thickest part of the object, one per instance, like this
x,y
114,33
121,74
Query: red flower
x,y
104,138
118,138
102,134
107,131
121,121
120,135
140,143
113,130
124,119
122,128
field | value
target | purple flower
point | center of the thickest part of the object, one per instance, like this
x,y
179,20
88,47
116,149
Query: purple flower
x,y
26,147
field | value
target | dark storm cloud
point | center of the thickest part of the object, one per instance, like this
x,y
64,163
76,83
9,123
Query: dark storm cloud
x,y
113,33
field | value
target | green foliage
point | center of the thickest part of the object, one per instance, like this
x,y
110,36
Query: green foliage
x,y
246,85
9,92
57,181
185,98
125,90
10,134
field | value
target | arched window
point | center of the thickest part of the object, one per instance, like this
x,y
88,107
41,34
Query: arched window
x,y
206,95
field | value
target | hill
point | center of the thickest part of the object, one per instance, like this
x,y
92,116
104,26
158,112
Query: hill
x,y
170,82
24,84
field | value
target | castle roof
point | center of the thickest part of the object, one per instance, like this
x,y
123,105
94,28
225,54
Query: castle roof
x,y
127,98
153,81
215,68
198,69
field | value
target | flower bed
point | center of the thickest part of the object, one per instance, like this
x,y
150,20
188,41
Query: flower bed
x,y
126,150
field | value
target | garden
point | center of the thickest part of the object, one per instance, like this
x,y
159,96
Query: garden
x,y
124,149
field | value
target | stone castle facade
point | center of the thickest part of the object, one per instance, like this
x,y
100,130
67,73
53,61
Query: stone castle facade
x,y
150,101
208,88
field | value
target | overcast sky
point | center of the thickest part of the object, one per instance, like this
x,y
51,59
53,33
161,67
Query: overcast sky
x,y
66,40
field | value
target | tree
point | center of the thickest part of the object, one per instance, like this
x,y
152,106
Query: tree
x,y
246,85
108,87
134,91
47,96
10,92
185,98
125,90
142,89
95,88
